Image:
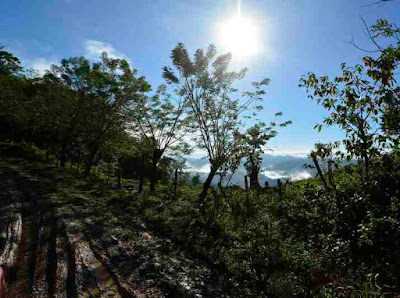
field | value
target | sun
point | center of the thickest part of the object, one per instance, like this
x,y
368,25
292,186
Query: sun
x,y
239,36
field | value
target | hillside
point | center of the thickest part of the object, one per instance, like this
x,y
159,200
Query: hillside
x,y
80,236
64,236
133,164
273,167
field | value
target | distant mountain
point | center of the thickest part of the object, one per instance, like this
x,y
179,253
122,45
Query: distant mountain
x,y
273,167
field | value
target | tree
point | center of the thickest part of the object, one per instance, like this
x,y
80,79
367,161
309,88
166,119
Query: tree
x,y
353,103
365,100
137,164
13,86
162,123
9,64
328,155
382,71
101,92
207,87
178,165
255,138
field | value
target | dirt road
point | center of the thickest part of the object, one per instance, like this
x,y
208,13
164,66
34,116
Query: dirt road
x,y
58,241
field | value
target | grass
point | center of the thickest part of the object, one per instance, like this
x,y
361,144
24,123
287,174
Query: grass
x,y
250,243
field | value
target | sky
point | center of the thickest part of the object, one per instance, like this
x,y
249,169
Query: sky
x,y
294,37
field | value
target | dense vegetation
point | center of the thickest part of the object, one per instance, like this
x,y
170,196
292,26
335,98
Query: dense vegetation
x,y
334,235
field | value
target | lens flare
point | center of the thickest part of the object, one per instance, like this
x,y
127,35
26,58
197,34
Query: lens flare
x,y
239,36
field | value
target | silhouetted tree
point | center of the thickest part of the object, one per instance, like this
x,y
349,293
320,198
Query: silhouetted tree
x,y
162,123
352,102
102,91
208,88
255,138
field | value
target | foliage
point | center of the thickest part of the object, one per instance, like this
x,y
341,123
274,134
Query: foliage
x,y
364,101
207,87
9,64
341,238
255,138
162,123
354,105
327,158
75,112
102,91
309,242
271,245
382,70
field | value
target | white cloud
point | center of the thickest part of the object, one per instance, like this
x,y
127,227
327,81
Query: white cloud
x,y
40,65
280,174
198,169
300,175
301,152
274,174
94,48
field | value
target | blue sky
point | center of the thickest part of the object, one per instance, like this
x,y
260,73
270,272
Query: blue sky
x,y
296,36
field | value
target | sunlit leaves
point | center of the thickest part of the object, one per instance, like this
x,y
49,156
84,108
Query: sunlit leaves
x,y
217,107
318,127
351,102
160,121
9,64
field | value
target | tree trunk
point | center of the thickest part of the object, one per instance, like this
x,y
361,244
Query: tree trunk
x,y
253,175
364,147
366,163
141,182
176,180
91,159
330,174
320,174
254,184
156,158
119,175
280,188
63,156
142,174
206,186
246,183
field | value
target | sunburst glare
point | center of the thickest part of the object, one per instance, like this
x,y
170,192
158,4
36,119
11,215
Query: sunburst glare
x,y
239,35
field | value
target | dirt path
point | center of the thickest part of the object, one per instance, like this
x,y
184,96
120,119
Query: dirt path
x,y
41,258
60,238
